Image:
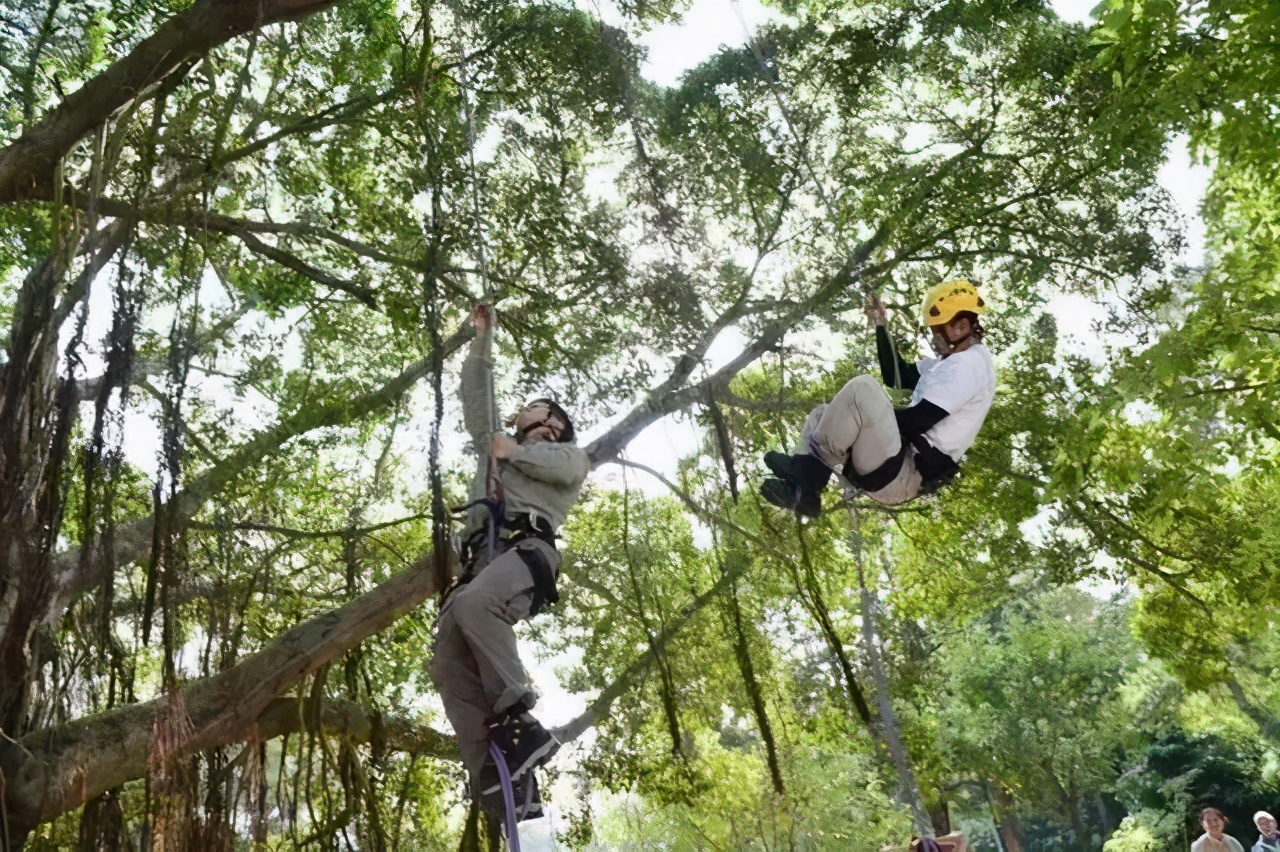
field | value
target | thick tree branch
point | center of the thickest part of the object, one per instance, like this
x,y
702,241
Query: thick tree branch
x,y
202,220
58,769
27,165
296,264
348,719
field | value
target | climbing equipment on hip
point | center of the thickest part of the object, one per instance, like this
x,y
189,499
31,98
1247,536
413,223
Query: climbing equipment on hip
x,y
936,467
544,577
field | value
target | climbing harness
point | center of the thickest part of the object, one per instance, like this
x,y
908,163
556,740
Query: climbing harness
x,y
508,797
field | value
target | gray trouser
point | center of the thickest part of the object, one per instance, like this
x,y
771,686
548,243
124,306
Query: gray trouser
x,y
859,425
475,664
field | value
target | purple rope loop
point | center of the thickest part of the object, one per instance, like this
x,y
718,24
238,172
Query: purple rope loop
x,y
508,797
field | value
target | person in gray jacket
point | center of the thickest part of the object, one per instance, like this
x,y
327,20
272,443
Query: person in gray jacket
x,y
526,482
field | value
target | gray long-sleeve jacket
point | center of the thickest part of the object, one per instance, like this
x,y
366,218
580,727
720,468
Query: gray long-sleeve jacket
x,y
540,479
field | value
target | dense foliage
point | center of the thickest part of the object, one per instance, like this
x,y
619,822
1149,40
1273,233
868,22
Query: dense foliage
x,y
239,242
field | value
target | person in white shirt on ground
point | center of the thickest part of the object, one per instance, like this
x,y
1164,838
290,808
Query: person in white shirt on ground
x,y
897,454
1214,839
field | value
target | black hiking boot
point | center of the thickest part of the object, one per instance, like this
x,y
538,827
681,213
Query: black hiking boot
x,y
528,799
784,495
522,739
801,479
524,793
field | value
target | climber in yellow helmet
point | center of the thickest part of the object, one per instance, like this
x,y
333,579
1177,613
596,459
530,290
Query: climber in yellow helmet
x,y
896,454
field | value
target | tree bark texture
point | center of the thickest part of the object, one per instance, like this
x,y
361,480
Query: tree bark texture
x,y
58,769
36,414
28,164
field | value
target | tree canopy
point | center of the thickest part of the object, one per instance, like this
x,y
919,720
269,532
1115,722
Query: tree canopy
x,y
239,242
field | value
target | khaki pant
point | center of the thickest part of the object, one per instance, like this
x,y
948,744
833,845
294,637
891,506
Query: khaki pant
x,y
859,425
475,663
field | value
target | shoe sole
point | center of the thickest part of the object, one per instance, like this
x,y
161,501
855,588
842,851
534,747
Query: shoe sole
x,y
792,503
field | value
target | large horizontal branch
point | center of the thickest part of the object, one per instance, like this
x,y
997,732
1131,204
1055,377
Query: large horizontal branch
x,y
27,165
246,231
203,220
296,264
58,769
284,716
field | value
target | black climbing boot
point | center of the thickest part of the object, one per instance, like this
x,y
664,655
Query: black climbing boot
x,y
799,486
522,740
784,495
524,794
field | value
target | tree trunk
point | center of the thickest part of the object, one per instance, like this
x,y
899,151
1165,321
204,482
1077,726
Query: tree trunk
x,y
1078,828
1008,827
30,508
746,668
36,414
1104,815
940,816
908,789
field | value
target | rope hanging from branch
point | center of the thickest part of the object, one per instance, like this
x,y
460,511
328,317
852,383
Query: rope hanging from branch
x,y
909,790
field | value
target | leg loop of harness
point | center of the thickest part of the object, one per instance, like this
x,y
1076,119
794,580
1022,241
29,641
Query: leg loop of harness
x,y
544,578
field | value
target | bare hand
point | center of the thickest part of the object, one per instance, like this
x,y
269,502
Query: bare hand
x,y
482,319
874,309
502,445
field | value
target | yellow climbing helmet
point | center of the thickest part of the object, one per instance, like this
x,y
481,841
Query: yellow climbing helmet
x,y
945,300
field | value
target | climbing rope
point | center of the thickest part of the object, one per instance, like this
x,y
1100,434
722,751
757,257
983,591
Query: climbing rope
x,y
508,797
909,792
494,498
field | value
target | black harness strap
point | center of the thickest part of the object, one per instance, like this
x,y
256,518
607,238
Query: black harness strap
x,y
516,529
880,477
936,467
544,579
